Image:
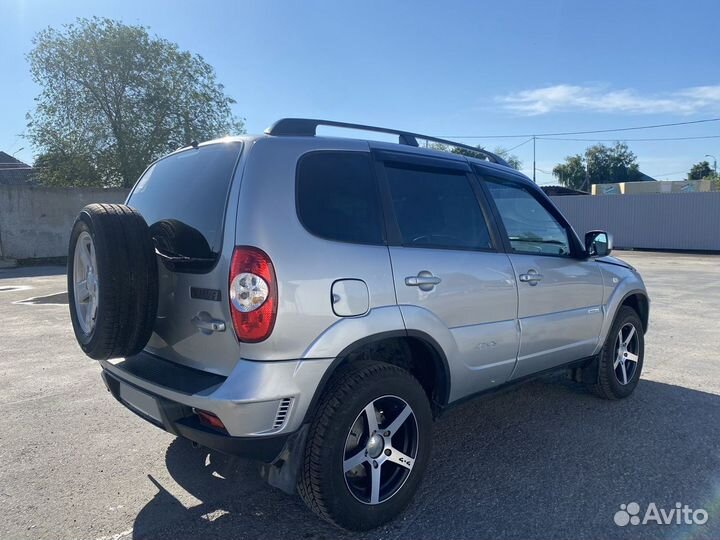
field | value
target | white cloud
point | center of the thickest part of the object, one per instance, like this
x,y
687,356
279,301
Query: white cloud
x,y
564,97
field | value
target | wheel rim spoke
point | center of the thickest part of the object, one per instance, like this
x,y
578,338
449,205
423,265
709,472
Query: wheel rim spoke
x,y
618,359
399,420
91,249
624,373
371,416
84,257
632,357
82,292
88,316
375,485
401,459
630,335
354,461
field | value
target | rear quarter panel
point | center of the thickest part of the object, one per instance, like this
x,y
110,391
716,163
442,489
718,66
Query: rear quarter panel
x,y
305,265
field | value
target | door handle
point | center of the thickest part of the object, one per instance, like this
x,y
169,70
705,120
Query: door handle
x,y
532,277
424,280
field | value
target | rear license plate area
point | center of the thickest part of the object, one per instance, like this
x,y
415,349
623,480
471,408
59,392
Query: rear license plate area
x,y
140,402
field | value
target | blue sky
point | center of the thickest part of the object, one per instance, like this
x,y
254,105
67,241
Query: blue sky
x,y
443,68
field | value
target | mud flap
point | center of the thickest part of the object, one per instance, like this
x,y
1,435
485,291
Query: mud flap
x,y
586,373
283,472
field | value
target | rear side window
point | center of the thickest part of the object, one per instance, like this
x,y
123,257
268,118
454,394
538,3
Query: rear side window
x,y
437,209
337,197
183,197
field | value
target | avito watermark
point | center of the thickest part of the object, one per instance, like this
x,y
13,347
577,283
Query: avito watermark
x,y
681,514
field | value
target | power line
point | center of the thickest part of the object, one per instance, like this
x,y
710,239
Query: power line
x,y
668,173
652,126
519,145
632,140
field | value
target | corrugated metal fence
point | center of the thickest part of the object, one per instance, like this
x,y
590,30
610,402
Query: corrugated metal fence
x,y
686,221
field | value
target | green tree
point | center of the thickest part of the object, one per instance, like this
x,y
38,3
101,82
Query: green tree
x,y
60,167
600,164
611,164
511,159
113,98
571,173
701,170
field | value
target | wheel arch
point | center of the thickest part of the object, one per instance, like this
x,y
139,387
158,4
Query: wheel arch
x,y
631,294
639,301
423,357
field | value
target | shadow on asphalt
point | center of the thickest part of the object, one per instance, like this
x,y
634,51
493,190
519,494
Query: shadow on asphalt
x,y
56,299
545,461
32,271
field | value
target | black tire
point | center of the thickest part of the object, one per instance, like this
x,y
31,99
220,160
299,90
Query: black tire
x,y
322,484
127,281
609,383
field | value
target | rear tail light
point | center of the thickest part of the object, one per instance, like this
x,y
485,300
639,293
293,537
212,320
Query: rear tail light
x,y
253,294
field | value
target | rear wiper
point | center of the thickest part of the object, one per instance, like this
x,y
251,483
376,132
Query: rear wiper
x,y
178,258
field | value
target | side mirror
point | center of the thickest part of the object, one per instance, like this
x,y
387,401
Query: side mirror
x,y
598,243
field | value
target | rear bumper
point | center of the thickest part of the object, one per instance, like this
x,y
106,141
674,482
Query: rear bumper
x,y
261,404
180,420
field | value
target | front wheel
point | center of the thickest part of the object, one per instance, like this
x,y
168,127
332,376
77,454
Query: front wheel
x,y
368,446
621,359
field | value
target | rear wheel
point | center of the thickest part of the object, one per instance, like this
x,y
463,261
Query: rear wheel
x,y
368,446
621,359
112,281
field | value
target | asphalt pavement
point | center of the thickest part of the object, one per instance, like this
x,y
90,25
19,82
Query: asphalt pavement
x,y
547,460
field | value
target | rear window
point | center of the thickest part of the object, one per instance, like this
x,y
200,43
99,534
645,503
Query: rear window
x,y
183,197
337,197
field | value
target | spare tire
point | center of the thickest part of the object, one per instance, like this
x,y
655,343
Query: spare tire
x,y
112,281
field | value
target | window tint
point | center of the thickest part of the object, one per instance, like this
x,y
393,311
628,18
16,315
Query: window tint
x,y
337,197
182,198
530,227
437,209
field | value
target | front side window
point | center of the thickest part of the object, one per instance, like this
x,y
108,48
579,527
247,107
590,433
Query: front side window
x,y
338,199
531,228
434,208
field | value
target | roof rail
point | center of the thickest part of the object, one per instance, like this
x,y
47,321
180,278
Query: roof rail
x,y
307,127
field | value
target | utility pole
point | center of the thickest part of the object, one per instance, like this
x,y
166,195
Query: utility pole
x,y
535,181
586,183
714,163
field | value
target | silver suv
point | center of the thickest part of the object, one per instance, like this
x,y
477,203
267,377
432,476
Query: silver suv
x,y
314,303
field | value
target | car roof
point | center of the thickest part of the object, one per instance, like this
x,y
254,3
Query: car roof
x,y
325,141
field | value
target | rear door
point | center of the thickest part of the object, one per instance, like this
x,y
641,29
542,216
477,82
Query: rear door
x,y
184,199
450,278
560,292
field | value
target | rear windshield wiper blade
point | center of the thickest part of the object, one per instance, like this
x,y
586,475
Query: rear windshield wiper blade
x,y
178,258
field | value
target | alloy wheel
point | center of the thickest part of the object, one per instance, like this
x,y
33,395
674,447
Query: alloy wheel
x,y
627,350
85,282
380,450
